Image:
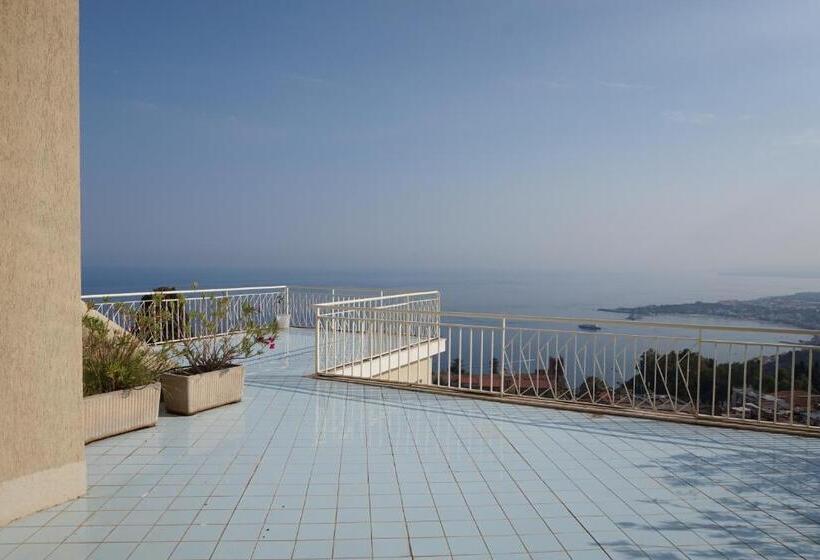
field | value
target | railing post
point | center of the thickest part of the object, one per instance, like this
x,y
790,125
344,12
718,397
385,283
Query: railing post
x,y
438,315
700,362
503,350
287,300
229,315
316,341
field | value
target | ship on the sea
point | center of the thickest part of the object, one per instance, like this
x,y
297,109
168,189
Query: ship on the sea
x,y
589,327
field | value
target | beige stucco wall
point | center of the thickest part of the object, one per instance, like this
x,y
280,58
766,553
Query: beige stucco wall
x,y
41,432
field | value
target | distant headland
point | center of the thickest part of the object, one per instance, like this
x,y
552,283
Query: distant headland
x,y
800,310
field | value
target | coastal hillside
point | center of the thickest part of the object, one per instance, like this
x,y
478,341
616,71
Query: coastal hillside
x,y
800,310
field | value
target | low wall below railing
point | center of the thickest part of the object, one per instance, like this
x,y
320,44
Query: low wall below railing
x,y
410,364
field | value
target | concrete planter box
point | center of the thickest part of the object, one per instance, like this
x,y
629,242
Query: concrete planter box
x,y
109,414
189,394
283,321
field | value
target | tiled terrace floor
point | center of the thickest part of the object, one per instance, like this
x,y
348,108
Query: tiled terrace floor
x,y
319,469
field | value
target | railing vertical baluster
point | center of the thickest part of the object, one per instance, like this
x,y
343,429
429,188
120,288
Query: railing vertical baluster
x,y
776,381
520,359
700,363
407,334
318,340
449,356
481,359
460,367
677,378
808,388
714,379
636,368
438,360
729,383
492,359
538,363
594,362
503,351
470,360
745,377
791,402
760,385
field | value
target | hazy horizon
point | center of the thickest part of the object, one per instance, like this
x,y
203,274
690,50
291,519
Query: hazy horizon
x,y
598,136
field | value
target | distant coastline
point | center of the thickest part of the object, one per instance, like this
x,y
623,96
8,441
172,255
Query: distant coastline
x,y
800,310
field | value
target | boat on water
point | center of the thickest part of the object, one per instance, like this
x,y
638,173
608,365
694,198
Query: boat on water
x,y
589,327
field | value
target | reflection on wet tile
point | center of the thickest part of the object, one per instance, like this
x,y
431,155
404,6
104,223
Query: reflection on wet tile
x,y
308,468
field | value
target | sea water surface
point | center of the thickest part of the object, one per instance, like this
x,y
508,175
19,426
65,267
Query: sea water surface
x,y
544,293
565,293
534,293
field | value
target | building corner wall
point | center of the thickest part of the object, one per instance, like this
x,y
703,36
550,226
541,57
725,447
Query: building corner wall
x,y
41,433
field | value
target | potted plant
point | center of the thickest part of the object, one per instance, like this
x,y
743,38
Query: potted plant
x,y
215,337
120,379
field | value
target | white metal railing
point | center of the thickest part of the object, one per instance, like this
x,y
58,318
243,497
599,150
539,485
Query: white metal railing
x,y
764,376
359,331
740,375
270,301
183,310
304,298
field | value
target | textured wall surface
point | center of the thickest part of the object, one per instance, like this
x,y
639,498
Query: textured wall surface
x,y
41,428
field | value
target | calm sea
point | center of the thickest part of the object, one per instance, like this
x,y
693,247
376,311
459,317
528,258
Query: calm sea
x,y
566,294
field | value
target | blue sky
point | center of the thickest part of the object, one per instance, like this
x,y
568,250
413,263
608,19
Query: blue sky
x,y
508,135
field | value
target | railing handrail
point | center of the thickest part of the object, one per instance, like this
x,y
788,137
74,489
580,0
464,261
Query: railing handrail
x,y
348,302
691,337
248,288
192,291
343,288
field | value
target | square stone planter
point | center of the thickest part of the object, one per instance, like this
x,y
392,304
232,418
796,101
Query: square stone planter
x,y
189,394
109,414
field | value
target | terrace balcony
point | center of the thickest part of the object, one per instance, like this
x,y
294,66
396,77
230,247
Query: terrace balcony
x,y
391,452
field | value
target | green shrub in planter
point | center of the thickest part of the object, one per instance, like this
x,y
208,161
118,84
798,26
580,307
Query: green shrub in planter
x,y
115,360
216,335
223,336
165,312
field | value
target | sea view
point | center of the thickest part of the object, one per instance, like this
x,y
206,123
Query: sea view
x,y
591,340
409,280
543,293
